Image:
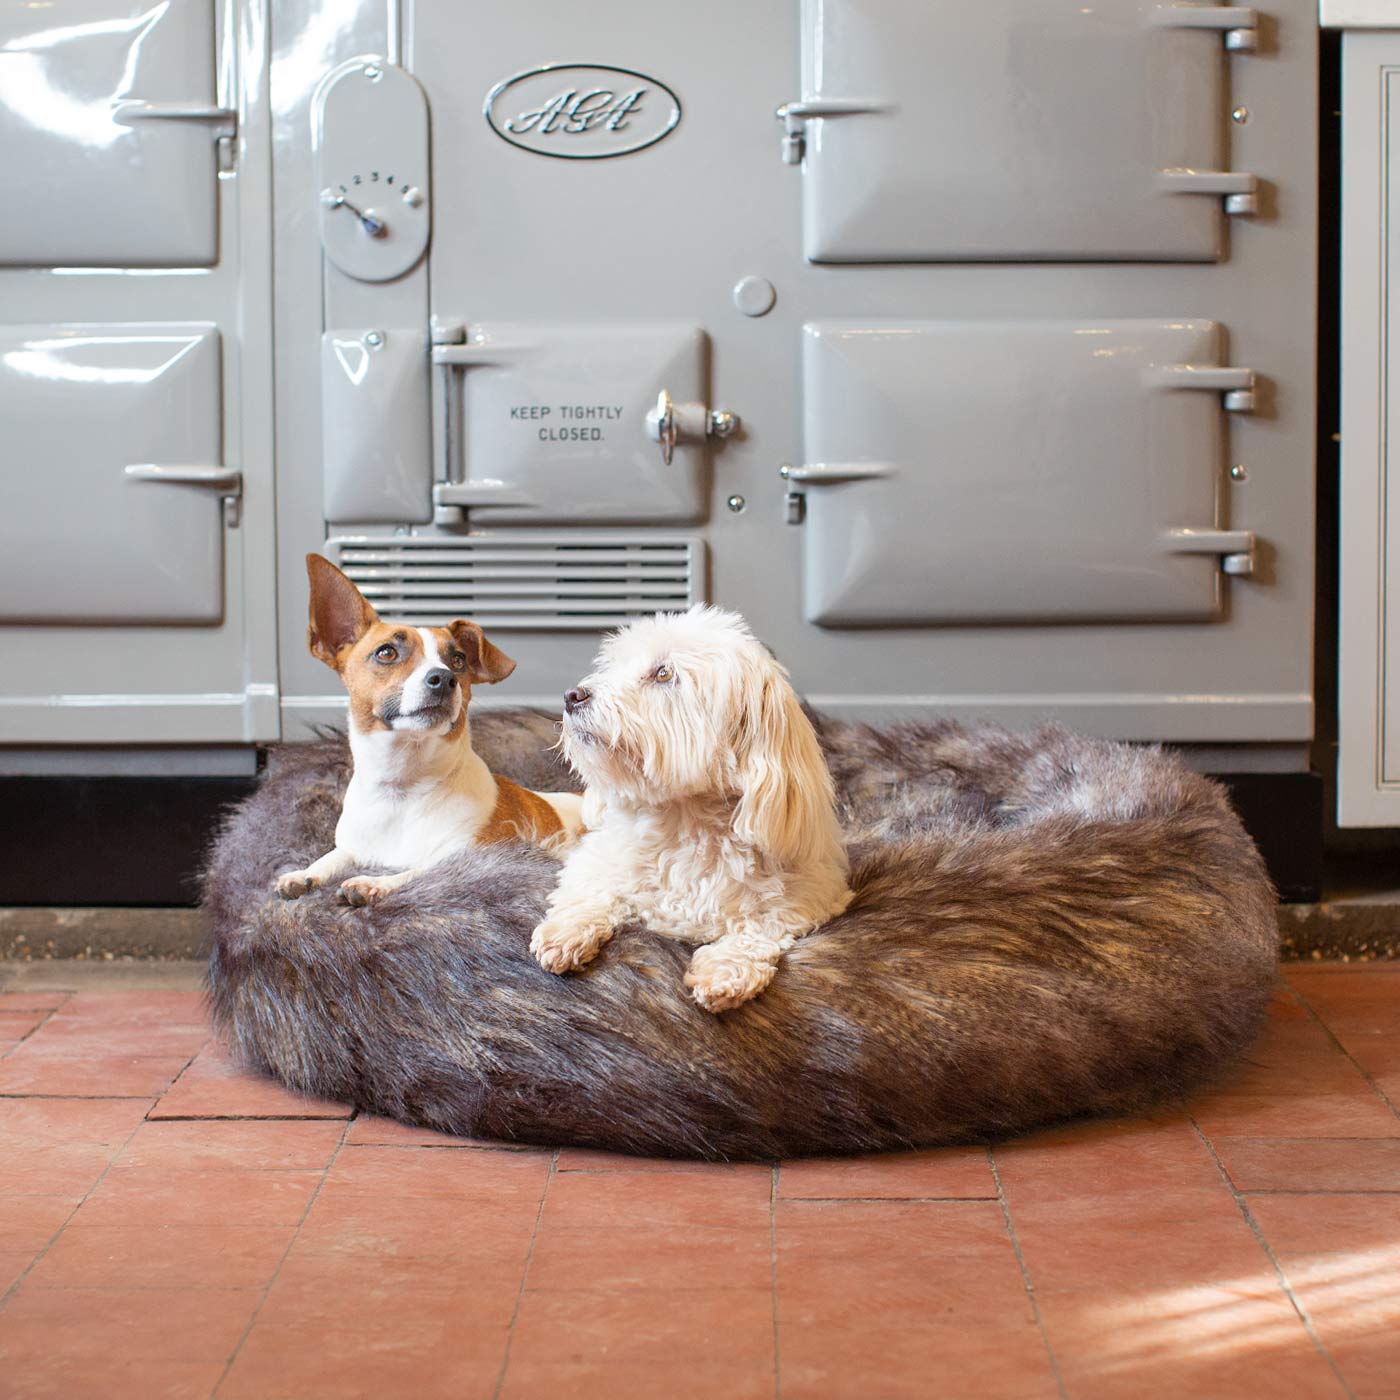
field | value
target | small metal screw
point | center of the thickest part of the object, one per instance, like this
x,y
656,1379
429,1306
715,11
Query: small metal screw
x,y
1238,473
373,72
1240,115
736,504
785,471
374,339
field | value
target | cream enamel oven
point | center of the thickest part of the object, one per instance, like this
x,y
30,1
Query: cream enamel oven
x,y
968,350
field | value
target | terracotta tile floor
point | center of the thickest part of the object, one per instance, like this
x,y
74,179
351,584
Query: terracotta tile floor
x,y
170,1227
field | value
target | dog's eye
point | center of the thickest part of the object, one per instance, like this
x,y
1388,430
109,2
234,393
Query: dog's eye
x,y
663,673
388,652
456,660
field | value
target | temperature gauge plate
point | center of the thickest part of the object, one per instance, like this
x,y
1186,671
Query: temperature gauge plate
x,y
370,145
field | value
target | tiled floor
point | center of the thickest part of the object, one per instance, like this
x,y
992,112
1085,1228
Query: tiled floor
x,y
172,1228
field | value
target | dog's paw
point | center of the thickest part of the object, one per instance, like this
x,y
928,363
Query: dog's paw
x,y
296,883
561,944
720,981
361,890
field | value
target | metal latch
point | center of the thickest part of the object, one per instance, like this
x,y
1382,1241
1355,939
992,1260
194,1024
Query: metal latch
x,y
1240,25
795,116
222,120
1236,383
669,423
1241,190
1235,547
825,474
227,481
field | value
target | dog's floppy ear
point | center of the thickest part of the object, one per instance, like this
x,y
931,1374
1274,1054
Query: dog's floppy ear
x,y
786,797
340,616
486,662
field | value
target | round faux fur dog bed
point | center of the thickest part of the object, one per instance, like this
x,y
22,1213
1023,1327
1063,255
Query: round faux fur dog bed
x,y
1044,925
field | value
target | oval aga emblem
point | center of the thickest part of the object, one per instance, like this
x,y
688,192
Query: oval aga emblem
x,y
582,111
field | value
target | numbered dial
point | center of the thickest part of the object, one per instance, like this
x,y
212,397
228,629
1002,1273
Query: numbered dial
x,y
371,156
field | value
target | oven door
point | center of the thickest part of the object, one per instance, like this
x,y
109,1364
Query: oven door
x,y
108,121
1011,471
1015,130
115,493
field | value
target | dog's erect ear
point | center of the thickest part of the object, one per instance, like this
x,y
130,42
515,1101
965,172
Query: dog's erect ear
x,y
486,662
786,797
340,616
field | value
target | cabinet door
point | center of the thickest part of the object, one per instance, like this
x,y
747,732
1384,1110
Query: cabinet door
x,y
107,124
1015,129
84,539
1011,471
1368,683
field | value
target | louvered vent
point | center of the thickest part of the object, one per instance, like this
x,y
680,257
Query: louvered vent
x,y
523,581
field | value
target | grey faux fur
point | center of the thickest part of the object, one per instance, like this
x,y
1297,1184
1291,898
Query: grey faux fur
x,y
1044,925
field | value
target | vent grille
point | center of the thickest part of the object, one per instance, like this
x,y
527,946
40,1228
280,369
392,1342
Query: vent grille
x,y
526,582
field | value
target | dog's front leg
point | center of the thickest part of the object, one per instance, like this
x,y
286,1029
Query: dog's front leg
x,y
369,889
296,883
733,969
574,931
582,912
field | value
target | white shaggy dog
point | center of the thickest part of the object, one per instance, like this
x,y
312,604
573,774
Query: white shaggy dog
x,y
711,812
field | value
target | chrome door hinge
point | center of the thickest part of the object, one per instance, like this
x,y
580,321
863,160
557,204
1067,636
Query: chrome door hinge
x,y
227,481
1239,24
795,116
1235,547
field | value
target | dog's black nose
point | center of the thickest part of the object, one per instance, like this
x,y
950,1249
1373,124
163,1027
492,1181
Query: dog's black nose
x,y
440,681
576,698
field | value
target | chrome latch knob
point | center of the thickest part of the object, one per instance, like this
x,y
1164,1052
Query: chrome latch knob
x,y
670,422
661,425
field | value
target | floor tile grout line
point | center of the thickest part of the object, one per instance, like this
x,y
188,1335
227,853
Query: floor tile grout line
x,y
1323,1190
1242,1205
154,1095
68,1219
773,1269
153,1099
247,1117
34,1030
1332,1036
896,1200
282,1259
525,1276
1026,1282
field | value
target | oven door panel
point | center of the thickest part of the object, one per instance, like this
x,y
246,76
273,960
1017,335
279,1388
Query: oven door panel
x,y
107,121
1011,129
83,539
1009,472
555,423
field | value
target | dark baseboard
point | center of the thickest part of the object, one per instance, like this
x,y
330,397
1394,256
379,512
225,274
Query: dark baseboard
x,y
109,840
1283,813
75,841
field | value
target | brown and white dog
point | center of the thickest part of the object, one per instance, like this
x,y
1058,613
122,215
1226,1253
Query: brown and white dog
x,y
419,792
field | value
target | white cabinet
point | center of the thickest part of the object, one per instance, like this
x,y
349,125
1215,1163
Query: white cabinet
x,y
1368,775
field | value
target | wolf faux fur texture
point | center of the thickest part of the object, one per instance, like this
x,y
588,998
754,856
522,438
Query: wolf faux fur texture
x,y
1043,926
